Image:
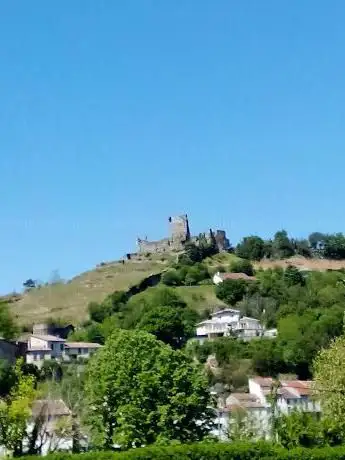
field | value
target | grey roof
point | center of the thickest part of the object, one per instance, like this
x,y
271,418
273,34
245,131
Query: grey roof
x,y
48,338
50,407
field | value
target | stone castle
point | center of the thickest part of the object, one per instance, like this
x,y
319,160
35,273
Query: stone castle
x,y
179,236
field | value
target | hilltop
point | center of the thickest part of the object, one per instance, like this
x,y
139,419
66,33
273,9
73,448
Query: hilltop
x,y
68,301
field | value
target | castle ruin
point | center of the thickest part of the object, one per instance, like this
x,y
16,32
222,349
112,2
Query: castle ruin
x,y
179,236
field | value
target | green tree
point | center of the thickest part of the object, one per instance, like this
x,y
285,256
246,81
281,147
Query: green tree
x,y
168,324
282,245
299,429
8,328
171,278
231,291
141,391
251,248
15,411
334,246
293,276
242,266
329,383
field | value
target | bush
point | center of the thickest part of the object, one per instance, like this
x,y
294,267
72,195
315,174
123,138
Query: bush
x,y
210,451
242,266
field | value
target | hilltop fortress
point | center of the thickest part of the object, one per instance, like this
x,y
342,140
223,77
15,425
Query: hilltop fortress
x,y
179,236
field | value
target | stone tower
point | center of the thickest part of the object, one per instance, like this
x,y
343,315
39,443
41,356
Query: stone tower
x,y
179,229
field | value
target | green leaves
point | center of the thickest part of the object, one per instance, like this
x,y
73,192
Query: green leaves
x,y
143,392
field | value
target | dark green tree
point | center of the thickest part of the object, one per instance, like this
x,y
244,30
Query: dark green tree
x,y
251,248
231,291
242,266
282,245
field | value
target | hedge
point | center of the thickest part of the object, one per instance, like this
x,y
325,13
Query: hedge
x,y
209,451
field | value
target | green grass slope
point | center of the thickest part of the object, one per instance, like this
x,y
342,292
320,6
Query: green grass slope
x,y
69,301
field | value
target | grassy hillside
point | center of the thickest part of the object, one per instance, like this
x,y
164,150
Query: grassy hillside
x,y
69,301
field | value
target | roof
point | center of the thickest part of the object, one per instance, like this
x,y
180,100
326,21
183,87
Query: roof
x,y
236,276
82,345
48,338
52,407
225,310
244,401
265,382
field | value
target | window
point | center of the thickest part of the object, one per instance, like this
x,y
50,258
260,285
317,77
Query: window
x,y
79,351
61,346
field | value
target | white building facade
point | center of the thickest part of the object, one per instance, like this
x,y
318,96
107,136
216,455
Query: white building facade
x,y
229,322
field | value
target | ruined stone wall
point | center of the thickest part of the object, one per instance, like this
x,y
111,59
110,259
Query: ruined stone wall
x,y
222,241
154,246
179,228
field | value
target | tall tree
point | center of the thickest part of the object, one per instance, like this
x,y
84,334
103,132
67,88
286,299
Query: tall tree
x,y
329,382
141,391
251,248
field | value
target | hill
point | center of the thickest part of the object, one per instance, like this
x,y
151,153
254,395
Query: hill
x,y
69,301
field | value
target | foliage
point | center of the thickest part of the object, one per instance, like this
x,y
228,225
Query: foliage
x,y
242,266
172,325
334,246
15,411
141,392
329,378
282,246
293,276
8,328
171,278
210,451
299,429
251,248
231,291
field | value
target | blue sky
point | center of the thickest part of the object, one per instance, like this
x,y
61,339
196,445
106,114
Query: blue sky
x,y
115,115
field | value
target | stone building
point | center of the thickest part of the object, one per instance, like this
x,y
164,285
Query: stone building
x,y
179,235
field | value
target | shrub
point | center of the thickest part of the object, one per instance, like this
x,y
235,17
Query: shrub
x,y
209,451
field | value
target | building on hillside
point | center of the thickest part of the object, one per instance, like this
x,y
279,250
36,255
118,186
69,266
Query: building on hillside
x,y
52,329
219,277
253,410
229,322
80,350
44,347
49,347
48,418
10,351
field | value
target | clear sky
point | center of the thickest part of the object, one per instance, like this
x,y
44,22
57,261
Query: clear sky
x,y
116,114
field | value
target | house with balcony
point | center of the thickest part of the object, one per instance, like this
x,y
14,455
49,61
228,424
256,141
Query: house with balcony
x,y
229,322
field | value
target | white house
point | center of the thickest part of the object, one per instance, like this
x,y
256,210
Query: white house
x,y
50,347
219,277
43,347
229,322
254,408
75,350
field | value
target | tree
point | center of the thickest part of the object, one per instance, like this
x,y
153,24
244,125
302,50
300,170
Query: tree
x,y
282,246
168,324
293,276
98,311
140,391
299,429
15,411
29,284
251,248
334,246
231,291
329,383
8,328
242,266
171,278
316,240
